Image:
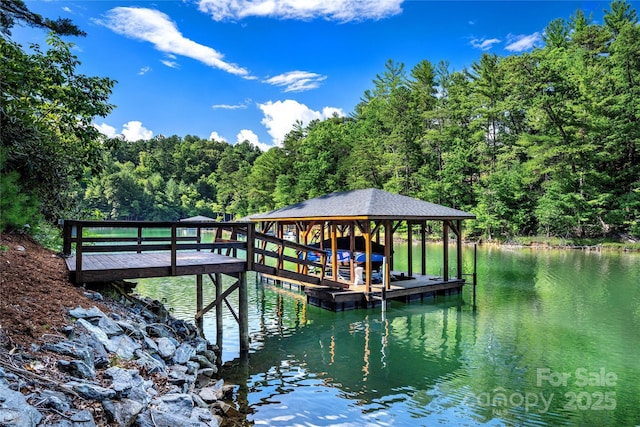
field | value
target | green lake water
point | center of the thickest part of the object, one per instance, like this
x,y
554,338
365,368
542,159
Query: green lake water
x,y
553,340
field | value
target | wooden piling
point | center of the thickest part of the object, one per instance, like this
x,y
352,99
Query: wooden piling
x,y
243,316
219,333
199,303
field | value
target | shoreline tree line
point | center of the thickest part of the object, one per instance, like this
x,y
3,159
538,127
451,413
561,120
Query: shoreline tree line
x,y
545,142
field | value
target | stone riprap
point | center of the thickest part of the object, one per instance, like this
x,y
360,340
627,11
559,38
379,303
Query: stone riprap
x,y
142,368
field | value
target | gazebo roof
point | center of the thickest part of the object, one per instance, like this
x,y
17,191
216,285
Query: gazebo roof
x,y
198,218
370,203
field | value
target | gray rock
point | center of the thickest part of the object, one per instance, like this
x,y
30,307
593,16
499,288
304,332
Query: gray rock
x,y
149,362
96,332
173,409
123,346
73,349
61,423
15,411
121,380
179,376
110,327
95,296
77,368
166,348
55,400
218,385
129,382
207,372
198,401
69,331
150,344
96,317
123,412
129,329
100,355
92,314
200,344
83,419
208,394
202,361
203,417
183,354
211,355
158,330
91,391
192,367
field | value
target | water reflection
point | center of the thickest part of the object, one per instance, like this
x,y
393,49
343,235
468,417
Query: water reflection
x,y
373,361
441,362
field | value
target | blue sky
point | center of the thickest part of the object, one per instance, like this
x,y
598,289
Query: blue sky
x,y
248,69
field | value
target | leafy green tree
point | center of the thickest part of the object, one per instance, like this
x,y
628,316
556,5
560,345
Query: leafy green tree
x,y
15,11
556,34
326,150
45,121
262,179
17,209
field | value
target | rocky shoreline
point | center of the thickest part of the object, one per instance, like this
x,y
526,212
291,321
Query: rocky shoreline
x,y
135,365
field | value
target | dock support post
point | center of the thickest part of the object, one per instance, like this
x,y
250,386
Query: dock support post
x,y
243,320
445,251
219,334
199,303
384,299
475,274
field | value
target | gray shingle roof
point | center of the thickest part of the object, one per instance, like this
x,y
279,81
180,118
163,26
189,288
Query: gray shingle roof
x,y
198,218
371,203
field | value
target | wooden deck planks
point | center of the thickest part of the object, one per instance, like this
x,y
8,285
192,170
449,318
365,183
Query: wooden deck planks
x,y
103,267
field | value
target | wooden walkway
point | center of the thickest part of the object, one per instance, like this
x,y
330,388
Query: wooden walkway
x,y
162,249
118,266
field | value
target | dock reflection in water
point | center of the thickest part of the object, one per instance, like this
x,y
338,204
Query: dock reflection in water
x,y
368,360
440,362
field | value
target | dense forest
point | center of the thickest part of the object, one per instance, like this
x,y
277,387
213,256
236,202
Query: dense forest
x,y
540,143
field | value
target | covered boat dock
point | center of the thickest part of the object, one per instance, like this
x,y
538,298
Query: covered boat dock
x,y
360,228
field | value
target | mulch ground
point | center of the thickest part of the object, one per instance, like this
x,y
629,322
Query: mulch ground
x,y
35,293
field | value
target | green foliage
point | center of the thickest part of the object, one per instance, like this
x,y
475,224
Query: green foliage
x,y
541,143
17,209
46,113
14,11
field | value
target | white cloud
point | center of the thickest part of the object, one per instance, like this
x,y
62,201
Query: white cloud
x,y
484,44
134,131
67,9
106,130
280,116
170,64
232,106
248,135
157,28
216,137
144,70
335,10
522,42
297,81
131,131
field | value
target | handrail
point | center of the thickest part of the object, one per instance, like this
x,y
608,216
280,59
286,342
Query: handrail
x,y
302,254
74,234
240,234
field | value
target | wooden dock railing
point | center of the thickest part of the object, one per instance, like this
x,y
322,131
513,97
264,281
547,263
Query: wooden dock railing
x,y
263,253
89,237
301,267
